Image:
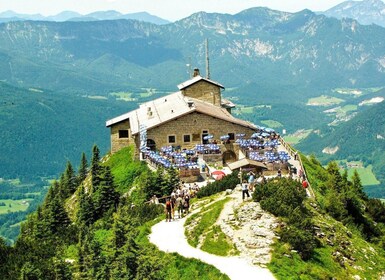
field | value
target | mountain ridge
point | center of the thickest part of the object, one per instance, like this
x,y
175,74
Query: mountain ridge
x,y
9,15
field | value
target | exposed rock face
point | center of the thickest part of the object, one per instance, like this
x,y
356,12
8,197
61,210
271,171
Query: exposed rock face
x,y
250,228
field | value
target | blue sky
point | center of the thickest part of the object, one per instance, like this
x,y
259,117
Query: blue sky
x,y
168,9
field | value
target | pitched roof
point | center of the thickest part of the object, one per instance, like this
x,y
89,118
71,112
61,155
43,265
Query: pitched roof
x,y
244,162
195,80
173,106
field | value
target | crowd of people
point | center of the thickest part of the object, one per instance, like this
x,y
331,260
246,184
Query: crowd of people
x,y
178,204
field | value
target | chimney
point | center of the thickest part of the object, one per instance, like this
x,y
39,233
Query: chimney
x,y
190,103
196,72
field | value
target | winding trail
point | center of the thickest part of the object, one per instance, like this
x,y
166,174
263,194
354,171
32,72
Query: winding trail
x,y
169,237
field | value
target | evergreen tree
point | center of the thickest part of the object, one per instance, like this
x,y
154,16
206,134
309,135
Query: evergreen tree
x,y
336,181
357,185
85,212
95,166
171,181
58,220
30,272
4,252
83,169
69,180
105,197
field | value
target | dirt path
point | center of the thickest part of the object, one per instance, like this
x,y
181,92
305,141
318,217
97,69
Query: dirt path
x,y
169,237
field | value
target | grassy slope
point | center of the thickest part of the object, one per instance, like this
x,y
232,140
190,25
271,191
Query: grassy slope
x,y
342,254
202,232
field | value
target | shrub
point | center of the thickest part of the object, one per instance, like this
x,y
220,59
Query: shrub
x,y
228,182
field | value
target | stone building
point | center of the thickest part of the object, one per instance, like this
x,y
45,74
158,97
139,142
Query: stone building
x,y
181,119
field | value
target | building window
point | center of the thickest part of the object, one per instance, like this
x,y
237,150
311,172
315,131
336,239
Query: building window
x,y
187,138
123,133
196,137
232,136
171,139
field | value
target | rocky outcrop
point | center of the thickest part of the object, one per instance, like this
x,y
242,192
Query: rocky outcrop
x,y
250,228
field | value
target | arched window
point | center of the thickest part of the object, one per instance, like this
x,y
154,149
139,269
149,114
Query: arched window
x,y
151,144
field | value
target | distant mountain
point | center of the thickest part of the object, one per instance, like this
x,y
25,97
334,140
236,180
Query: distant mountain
x,y
8,16
303,53
365,12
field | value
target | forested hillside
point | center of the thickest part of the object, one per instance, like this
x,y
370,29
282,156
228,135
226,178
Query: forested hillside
x,y
41,130
89,228
360,139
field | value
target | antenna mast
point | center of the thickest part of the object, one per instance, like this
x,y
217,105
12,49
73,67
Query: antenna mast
x,y
207,60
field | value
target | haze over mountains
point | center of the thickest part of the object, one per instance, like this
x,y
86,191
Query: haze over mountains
x,y
74,16
365,12
303,49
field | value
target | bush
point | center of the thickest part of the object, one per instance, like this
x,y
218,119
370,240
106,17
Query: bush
x,y
284,197
300,240
228,182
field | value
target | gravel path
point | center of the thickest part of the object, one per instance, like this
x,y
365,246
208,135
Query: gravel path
x,y
169,237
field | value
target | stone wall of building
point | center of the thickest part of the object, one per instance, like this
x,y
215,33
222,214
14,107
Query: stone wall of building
x,y
204,91
193,124
117,142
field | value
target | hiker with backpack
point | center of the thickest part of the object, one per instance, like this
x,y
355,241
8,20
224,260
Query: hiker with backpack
x,y
168,210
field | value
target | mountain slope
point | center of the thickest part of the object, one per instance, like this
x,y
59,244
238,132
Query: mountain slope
x,y
42,129
9,16
308,52
361,138
365,11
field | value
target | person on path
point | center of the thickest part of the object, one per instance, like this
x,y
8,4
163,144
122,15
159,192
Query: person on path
x,y
179,206
168,210
305,184
173,202
186,204
251,180
245,189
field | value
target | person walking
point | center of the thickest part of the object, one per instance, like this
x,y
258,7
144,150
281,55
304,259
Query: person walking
x,y
168,210
245,190
251,180
179,206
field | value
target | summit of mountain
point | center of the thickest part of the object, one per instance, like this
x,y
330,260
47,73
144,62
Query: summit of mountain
x,y
365,11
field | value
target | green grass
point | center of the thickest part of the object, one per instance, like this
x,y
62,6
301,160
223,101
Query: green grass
x,y
368,178
217,243
246,110
123,96
272,123
296,137
361,258
366,174
124,168
348,108
204,220
324,100
13,205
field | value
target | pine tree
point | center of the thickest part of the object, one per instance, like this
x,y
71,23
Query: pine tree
x,y
357,185
95,166
69,183
83,169
105,196
336,181
85,214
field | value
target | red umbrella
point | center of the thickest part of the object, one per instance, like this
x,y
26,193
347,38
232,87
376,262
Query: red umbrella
x,y
219,177
218,172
